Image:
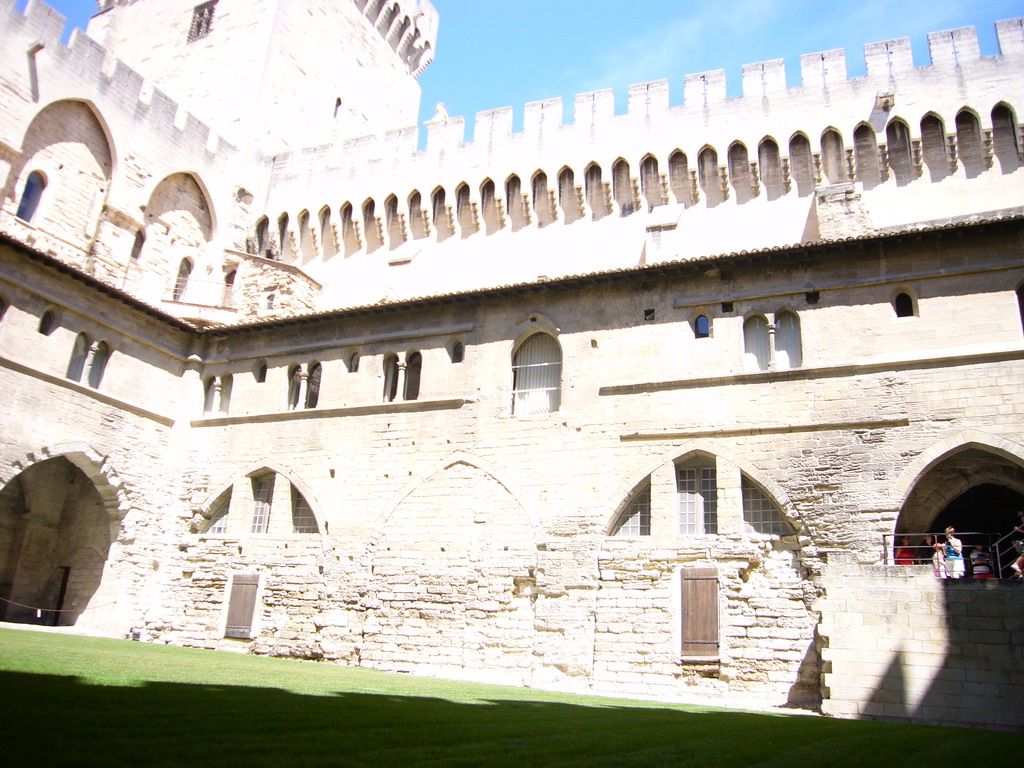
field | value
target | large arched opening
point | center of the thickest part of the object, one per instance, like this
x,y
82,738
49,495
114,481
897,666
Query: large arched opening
x,y
55,532
975,490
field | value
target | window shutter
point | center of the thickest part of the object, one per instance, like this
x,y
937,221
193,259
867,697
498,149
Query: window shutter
x,y
242,605
700,611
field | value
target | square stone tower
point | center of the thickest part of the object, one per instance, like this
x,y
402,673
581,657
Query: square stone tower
x,y
278,75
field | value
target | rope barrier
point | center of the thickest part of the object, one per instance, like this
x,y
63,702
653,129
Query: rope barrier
x,y
39,610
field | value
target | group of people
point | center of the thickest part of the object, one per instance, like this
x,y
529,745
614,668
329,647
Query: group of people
x,y
947,557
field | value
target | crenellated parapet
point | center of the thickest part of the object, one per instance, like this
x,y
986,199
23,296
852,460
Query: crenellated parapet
x,y
955,119
84,69
408,26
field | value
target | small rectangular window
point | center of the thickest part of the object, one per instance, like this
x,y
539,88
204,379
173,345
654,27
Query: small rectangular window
x,y
242,605
202,21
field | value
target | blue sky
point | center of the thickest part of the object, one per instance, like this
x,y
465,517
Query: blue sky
x,y
498,54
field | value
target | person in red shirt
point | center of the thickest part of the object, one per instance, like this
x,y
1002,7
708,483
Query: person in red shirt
x,y
905,552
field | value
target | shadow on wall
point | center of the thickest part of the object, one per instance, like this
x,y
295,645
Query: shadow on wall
x,y
980,680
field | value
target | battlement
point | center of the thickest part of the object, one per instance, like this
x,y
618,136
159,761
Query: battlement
x,y
84,67
889,64
408,26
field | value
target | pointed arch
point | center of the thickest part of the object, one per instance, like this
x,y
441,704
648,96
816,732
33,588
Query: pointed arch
x,y
897,137
739,172
968,142
833,162
709,176
770,164
1005,137
679,177
865,153
801,164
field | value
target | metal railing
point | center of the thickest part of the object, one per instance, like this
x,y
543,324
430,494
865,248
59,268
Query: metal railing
x,y
922,552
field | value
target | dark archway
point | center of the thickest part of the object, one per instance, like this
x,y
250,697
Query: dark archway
x,y
54,536
989,507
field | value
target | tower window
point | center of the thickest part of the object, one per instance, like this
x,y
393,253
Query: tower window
x,y
202,21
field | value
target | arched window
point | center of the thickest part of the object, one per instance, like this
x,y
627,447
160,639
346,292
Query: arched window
x,y
305,238
489,206
370,227
897,135
439,213
181,281
228,297
770,163
635,518
679,177
458,352
760,513
413,368
739,173
79,354
968,141
137,245
537,376
568,200
701,327
514,203
787,341
594,190
303,520
832,160
650,182
47,322
707,174
209,395
294,386
542,199
263,237
313,385
464,210
801,165
227,382
262,496
756,350
903,304
259,371
933,147
390,378
327,242
100,357
865,152
622,188
31,195
1004,138
282,234
353,363
394,224
697,496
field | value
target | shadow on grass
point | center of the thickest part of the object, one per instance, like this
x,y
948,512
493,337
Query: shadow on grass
x,y
60,721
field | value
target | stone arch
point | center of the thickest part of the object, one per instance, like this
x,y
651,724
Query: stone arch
x,y
699,449
60,512
178,225
453,565
933,146
78,166
205,508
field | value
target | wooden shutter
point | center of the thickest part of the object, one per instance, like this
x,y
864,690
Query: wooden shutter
x,y
241,605
700,611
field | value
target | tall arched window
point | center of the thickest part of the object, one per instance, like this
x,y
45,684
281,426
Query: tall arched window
x,y
707,174
413,368
228,297
567,198
770,163
594,190
313,385
294,386
181,281
801,164
31,195
756,351
537,376
209,395
787,341
100,357
1004,138
865,152
679,177
227,382
739,173
263,237
282,235
968,142
79,354
832,161
622,188
897,135
514,203
390,378
933,147
650,182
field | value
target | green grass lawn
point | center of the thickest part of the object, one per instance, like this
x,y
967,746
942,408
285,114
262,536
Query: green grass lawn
x,y
76,701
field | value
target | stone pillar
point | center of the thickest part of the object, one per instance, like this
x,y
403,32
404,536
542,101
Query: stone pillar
x,y
663,502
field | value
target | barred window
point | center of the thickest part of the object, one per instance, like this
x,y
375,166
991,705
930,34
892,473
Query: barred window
x,y
760,513
635,519
697,491
262,493
303,520
202,21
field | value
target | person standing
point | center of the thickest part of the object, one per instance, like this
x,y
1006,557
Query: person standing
x,y
954,554
934,550
1018,544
